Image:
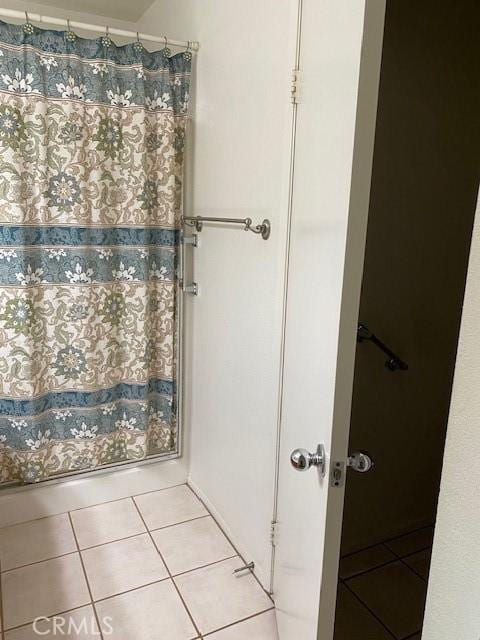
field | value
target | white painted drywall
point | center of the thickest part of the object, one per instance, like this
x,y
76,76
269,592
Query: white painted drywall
x,y
119,9
453,603
73,11
240,152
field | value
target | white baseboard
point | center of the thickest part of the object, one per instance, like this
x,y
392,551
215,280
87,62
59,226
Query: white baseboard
x,y
38,501
262,576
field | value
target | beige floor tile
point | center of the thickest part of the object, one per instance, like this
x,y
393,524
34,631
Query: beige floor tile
x,y
74,625
106,523
43,589
262,627
216,597
123,565
170,506
395,595
192,544
412,542
420,563
364,560
36,540
155,612
354,622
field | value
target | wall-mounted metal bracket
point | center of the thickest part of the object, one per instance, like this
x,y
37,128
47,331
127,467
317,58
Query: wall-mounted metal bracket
x,y
192,240
192,288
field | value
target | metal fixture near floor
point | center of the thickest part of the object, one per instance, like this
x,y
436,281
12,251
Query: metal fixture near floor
x,y
262,229
394,362
246,567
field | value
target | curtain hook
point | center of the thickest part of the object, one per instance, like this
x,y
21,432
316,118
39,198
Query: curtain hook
x,y
187,55
70,36
28,27
138,46
106,40
166,51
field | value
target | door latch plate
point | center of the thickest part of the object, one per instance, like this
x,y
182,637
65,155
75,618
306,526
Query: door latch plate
x,y
337,474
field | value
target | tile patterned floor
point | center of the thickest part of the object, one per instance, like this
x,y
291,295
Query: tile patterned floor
x,y
151,566
382,589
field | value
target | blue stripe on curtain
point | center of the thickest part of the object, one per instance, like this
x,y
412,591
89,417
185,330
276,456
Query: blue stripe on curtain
x,y
23,236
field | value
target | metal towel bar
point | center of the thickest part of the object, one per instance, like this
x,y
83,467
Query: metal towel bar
x,y
262,229
394,362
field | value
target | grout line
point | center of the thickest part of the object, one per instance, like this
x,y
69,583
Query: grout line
x,y
412,553
31,564
233,624
402,560
370,611
96,504
230,541
381,566
144,493
122,593
86,579
103,544
168,526
384,542
204,566
53,615
168,570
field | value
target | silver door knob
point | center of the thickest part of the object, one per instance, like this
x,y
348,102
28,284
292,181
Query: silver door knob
x,y
302,459
360,461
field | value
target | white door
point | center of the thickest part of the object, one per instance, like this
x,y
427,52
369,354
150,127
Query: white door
x,y
339,66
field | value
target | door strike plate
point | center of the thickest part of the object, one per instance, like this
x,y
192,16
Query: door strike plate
x,y
337,473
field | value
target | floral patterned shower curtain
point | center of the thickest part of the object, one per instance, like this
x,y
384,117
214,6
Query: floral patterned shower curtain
x,y
91,158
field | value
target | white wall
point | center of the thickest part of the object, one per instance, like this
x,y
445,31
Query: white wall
x,y
36,7
241,121
453,603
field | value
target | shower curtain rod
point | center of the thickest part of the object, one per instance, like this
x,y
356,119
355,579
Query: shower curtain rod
x,y
73,24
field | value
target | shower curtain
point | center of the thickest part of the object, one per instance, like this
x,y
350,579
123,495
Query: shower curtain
x,y
91,158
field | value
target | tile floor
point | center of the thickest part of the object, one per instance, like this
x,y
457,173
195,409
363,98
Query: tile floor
x,y
382,589
147,567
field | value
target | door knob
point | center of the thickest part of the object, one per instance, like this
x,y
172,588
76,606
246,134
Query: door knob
x,y
360,462
302,459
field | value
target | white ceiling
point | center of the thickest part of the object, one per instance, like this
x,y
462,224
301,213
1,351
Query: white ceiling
x,y
129,10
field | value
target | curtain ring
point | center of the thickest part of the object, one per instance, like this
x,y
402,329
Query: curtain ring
x,y
106,40
138,46
70,36
187,55
28,27
166,51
